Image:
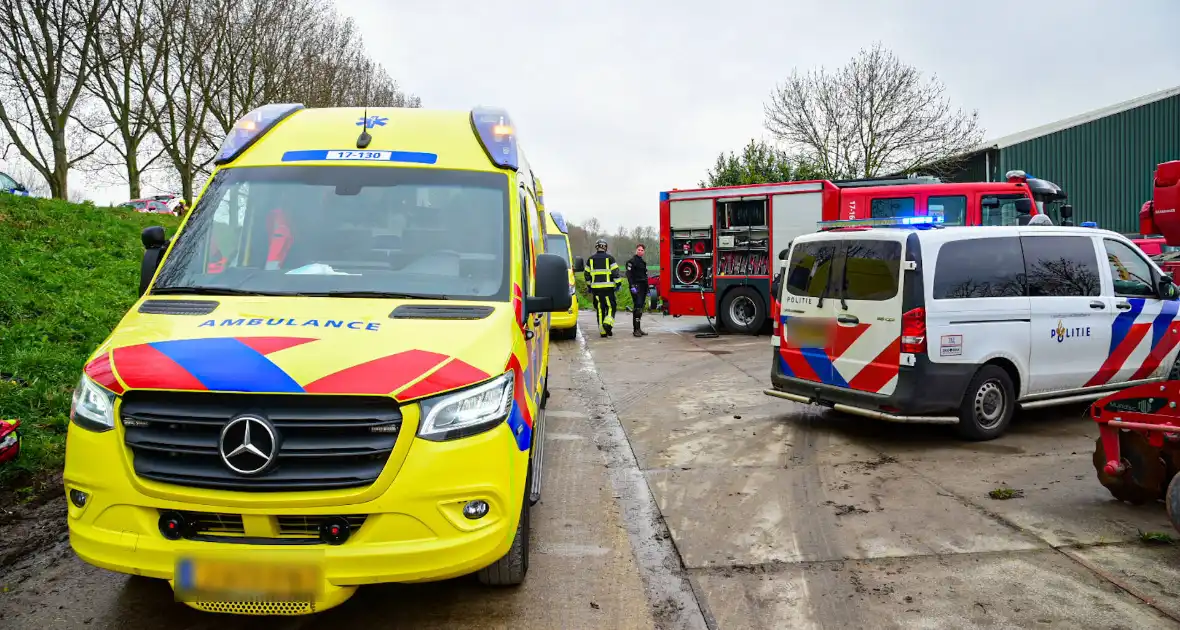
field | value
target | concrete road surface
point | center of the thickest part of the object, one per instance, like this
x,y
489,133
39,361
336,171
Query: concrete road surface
x,y
677,495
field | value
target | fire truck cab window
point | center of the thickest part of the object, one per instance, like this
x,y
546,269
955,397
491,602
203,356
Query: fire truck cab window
x,y
894,207
808,268
1130,273
952,209
1001,211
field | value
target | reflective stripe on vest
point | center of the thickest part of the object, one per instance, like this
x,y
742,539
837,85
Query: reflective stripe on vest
x,y
600,278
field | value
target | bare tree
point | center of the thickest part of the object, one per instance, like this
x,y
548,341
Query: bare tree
x,y
127,67
46,58
876,115
190,42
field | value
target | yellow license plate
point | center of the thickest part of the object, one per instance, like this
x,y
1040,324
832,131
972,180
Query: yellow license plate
x,y
247,580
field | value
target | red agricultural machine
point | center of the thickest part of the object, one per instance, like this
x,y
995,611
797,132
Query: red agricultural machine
x,y
1137,455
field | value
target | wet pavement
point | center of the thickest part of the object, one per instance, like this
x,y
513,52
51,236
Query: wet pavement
x,y
677,495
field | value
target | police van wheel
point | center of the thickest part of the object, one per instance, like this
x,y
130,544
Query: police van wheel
x,y
511,569
742,311
987,405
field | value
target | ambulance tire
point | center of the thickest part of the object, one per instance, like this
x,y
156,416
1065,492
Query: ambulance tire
x,y
988,404
566,333
511,569
748,303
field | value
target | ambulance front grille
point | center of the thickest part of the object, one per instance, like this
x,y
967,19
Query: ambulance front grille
x,y
325,442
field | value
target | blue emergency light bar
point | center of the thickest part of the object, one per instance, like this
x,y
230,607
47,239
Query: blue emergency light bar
x,y
560,221
920,222
1092,224
251,127
498,136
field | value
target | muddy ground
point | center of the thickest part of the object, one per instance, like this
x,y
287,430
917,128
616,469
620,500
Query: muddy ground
x,y
677,495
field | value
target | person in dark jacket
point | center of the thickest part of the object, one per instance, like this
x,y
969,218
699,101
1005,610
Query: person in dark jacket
x,y
602,277
637,278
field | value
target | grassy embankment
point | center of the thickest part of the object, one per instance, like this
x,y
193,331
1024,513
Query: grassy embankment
x,y
68,273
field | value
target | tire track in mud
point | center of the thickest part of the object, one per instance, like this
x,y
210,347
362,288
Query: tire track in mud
x,y
809,524
674,598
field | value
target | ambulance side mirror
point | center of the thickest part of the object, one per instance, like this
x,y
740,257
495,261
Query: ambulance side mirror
x,y
579,264
154,244
552,292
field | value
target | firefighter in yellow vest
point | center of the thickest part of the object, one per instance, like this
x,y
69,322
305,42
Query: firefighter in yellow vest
x,y
602,276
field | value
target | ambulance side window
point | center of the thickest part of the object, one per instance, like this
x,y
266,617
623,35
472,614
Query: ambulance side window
x,y
1060,266
1131,274
525,245
809,267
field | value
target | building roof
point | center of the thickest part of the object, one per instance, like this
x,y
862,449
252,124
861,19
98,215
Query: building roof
x,y
1074,121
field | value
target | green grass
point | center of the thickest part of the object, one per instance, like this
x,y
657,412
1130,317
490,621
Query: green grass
x,y
1003,494
1156,538
68,273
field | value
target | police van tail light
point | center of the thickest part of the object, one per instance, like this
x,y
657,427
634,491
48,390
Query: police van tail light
x,y
498,136
913,331
251,127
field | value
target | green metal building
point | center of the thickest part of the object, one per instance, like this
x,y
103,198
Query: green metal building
x,y
1104,160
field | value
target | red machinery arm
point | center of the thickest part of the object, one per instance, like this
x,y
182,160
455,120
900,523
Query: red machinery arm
x,y
1161,215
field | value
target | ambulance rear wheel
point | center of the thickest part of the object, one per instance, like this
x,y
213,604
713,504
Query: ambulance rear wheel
x,y
987,405
511,569
742,311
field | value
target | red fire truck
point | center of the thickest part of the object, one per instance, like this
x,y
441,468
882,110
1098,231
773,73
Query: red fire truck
x,y
719,246
1161,216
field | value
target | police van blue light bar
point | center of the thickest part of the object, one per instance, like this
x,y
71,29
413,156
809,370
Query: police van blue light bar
x,y
560,222
498,136
921,221
251,127
1092,224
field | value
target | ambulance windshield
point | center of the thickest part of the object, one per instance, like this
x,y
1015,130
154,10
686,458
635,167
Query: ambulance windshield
x,y
346,231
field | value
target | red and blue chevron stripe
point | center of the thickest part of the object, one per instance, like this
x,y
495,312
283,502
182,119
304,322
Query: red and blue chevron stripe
x,y
1127,335
819,365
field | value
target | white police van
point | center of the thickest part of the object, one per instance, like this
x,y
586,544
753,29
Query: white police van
x,y
914,322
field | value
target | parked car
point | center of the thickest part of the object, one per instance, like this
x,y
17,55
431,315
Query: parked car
x,y
10,185
147,206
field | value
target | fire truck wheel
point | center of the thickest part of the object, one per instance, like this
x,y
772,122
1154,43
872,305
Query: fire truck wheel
x,y
1174,502
742,311
987,405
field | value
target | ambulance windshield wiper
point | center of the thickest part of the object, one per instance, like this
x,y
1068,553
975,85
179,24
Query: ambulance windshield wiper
x,y
204,291
374,294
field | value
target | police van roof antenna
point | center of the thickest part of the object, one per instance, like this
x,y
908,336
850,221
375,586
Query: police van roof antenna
x,y
364,139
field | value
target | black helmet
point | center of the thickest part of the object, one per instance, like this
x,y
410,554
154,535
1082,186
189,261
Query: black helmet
x,y
600,245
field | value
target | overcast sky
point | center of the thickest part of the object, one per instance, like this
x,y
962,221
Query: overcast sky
x,y
617,100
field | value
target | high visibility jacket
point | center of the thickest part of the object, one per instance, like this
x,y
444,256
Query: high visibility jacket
x,y
279,244
602,272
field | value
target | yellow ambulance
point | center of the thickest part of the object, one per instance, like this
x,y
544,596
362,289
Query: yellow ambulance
x,y
337,370
564,325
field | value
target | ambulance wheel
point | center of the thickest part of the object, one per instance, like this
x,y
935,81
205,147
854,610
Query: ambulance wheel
x,y
545,391
1174,502
987,405
742,311
511,569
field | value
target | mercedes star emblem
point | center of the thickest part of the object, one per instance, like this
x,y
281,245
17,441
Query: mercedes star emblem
x,y
248,445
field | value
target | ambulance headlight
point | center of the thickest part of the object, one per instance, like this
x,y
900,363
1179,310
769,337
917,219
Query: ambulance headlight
x,y
251,127
467,412
93,407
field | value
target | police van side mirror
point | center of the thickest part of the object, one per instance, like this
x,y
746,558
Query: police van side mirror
x,y
1165,289
579,264
154,245
552,294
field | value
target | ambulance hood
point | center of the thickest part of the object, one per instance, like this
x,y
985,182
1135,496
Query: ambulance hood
x,y
315,345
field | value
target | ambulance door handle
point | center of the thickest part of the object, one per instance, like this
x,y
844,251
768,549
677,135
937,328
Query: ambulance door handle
x,y
847,319
1097,304
1123,306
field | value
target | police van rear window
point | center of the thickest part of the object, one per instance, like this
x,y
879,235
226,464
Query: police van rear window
x,y
872,269
809,268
